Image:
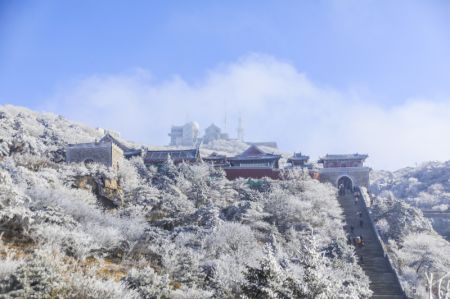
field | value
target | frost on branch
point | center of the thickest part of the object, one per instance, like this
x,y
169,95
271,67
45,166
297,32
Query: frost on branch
x,y
175,231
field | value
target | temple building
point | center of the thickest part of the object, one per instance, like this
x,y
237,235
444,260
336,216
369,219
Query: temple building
x,y
157,157
253,163
106,153
346,170
128,152
186,135
298,160
109,150
216,160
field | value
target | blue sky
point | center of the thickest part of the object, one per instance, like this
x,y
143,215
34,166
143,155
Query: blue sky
x,y
388,55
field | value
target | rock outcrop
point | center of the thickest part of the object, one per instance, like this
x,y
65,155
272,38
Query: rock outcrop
x,y
108,191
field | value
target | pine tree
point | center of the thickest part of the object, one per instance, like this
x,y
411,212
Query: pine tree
x,y
267,280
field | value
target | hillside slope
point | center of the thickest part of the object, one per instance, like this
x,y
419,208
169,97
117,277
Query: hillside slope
x,y
402,198
426,186
177,232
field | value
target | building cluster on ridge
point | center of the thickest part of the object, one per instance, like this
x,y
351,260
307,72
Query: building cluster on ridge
x,y
189,134
347,170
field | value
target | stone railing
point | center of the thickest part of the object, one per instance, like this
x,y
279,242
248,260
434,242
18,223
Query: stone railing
x,y
378,238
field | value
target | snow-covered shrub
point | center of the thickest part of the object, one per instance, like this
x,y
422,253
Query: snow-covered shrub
x,y
147,283
414,247
128,176
180,231
234,239
8,265
191,293
267,280
183,263
72,242
81,286
33,279
423,186
402,218
313,208
383,226
231,248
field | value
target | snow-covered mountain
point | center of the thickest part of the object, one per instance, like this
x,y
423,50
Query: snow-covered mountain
x,y
174,232
426,186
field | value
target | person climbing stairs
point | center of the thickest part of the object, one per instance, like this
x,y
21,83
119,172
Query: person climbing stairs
x,y
383,280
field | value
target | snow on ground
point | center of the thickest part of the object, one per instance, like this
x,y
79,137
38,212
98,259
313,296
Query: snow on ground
x,y
415,247
180,231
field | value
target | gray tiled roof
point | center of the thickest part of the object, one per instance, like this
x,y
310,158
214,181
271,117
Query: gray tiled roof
x,y
109,137
215,156
255,153
176,155
299,157
344,157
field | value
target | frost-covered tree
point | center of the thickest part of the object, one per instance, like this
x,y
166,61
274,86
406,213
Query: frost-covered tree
x,y
414,247
399,218
148,283
175,231
267,280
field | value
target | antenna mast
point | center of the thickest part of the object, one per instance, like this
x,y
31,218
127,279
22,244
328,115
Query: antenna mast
x,y
240,129
225,123
225,118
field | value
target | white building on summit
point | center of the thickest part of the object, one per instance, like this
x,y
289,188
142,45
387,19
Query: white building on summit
x,y
212,133
186,135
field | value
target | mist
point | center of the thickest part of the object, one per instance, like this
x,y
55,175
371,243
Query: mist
x,y
276,102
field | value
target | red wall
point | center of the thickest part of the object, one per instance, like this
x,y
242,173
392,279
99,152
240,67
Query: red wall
x,y
254,173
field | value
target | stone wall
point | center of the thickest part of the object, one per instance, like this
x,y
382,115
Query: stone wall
x,y
106,153
358,175
116,155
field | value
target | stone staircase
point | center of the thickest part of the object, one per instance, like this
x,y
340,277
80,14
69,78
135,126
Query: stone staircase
x,y
383,281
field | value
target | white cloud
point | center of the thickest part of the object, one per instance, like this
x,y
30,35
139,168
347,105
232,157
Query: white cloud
x,y
276,102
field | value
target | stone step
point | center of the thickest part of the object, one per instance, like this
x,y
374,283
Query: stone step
x,y
375,271
383,277
387,297
366,253
372,271
369,261
383,281
392,286
384,291
370,267
385,288
369,245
